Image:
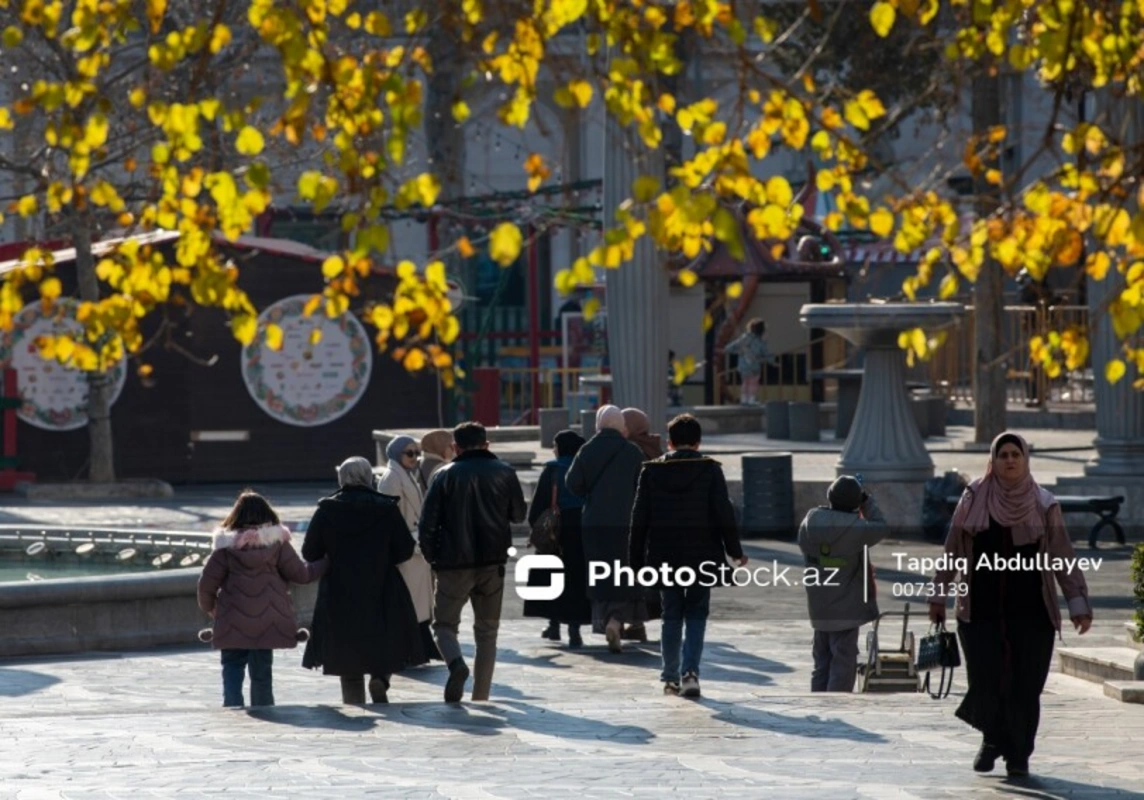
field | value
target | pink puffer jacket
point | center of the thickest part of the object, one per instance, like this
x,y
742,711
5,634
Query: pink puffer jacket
x,y
245,586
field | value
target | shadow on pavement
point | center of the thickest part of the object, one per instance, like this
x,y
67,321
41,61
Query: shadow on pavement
x,y
1046,787
811,727
439,676
326,717
488,719
20,682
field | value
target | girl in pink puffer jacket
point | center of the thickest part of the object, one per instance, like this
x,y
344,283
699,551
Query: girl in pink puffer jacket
x,y
245,589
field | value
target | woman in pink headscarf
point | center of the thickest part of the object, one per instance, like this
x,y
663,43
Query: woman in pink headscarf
x,y
639,433
1006,520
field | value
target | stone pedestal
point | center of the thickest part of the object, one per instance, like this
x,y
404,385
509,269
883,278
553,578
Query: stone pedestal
x,y
587,424
884,443
552,421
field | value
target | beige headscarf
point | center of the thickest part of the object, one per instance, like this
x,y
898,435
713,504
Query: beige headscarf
x,y
1021,507
639,433
437,442
610,416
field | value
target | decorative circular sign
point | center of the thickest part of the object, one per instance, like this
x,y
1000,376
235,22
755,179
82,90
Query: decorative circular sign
x,y
305,383
55,396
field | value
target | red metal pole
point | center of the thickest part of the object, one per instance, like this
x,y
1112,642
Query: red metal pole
x,y
534,323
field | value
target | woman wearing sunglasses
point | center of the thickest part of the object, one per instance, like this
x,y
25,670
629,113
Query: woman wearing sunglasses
x,y
401,478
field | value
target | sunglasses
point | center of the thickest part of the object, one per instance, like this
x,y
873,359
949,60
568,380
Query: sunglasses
x,y
412,453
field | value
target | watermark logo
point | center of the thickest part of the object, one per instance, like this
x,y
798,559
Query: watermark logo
x,y
524,567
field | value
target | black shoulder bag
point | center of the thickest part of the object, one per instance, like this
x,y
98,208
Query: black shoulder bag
x,y
938,648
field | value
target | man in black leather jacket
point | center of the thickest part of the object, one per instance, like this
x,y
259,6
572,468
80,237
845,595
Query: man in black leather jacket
x,y
464,534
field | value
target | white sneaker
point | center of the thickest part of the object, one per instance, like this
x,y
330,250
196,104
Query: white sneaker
x,y
690,685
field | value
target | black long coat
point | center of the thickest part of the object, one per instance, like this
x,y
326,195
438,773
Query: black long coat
x,y
572,606
605,473
364,620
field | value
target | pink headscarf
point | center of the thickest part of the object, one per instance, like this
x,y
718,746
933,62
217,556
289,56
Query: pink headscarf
x,y
639,433
1020,507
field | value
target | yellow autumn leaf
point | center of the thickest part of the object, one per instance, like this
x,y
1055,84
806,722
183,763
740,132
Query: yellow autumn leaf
x,y
504,243
311,305
687,278
735,290
414,360
51,288
461,111
249,141
645,187
274,336
948,287
590,308
882,222
244,327
1114,370
333,267
882,16
27,205
315,337
435,275
1097,264
465,247
95,131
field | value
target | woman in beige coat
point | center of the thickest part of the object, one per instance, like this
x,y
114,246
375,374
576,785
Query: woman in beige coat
x,y
401,478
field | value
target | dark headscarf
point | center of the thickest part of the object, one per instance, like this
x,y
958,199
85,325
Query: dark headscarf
x,y
568,443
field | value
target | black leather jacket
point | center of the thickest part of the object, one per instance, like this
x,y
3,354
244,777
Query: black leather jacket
x,y
466,515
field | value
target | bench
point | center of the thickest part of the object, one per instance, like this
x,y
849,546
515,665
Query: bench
x,y
1104,507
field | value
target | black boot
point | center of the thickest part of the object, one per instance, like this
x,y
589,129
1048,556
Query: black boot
x,y
552,631
574,639
1017,767
986,757
379,689
455,686
353,690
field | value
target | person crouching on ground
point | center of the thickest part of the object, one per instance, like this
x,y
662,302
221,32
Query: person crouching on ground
x,y
683,517
244,587
832,539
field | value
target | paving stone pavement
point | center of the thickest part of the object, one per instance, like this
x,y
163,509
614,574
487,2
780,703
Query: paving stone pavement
x,y
561,724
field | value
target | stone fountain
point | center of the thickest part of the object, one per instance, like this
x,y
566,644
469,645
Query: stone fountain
x,y
884,444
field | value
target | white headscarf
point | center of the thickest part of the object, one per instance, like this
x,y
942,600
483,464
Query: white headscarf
x,y
610,416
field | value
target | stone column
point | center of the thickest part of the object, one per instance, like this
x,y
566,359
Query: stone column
x,y
637,301
1119,408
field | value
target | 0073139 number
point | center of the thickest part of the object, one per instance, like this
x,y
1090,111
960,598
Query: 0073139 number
x,y
928,589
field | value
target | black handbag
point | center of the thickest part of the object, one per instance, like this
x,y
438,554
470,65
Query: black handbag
x,y
938,649
545,535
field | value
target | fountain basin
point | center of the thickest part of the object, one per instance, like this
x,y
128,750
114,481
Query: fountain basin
x,y
878,324
142,606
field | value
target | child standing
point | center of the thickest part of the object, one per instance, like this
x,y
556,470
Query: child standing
x,y
832,539
244,589
752,351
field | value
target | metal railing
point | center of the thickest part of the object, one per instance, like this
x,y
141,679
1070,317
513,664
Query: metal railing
x,y
951,369
162,548
558,386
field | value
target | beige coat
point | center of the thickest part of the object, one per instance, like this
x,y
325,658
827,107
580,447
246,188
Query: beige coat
x,y
417,573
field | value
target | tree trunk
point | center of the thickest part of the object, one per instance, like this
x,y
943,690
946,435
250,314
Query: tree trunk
x,y
445,138
988,300
102,456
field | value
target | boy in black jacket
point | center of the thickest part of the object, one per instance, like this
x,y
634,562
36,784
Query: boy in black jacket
x,y
682,517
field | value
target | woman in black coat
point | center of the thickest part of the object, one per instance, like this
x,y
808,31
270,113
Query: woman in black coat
x,y
605,473
364,620
572,606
